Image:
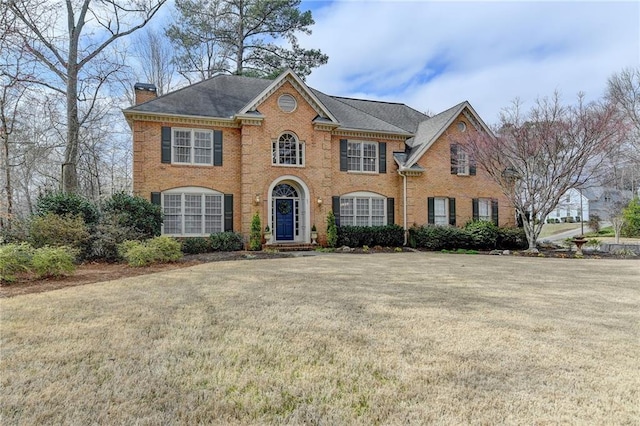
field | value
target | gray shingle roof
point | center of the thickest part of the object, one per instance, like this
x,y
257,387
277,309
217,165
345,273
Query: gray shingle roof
x,y
223,96
429,130
398,114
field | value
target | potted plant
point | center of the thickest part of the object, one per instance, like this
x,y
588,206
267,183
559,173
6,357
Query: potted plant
x,y
267,233
314,234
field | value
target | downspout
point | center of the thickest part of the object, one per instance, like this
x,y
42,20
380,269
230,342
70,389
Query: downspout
x,y
404,206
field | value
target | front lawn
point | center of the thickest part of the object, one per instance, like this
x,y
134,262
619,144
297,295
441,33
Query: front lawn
x,y
398,338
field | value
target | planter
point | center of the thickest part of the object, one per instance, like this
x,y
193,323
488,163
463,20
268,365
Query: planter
x,y
314,237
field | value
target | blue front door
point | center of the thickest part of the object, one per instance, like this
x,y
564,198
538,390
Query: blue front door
x,y
284,219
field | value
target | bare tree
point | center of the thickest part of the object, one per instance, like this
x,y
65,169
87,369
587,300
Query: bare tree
x,y
68,41
624,92
155,55
537,156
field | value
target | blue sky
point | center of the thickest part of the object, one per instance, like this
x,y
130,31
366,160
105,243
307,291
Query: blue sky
x,y
433,55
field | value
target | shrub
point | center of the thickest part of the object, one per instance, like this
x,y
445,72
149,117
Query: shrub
x,y
196,245
108,234
511,239
225,241
14,258
255,236
594,223
53,261
19,231
433,237
631,215
332,230
484,234
136,213
68,204
54,230
358,236
156,250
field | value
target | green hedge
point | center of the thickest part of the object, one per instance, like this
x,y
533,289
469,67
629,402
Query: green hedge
x,y
221,241
476,236
358,236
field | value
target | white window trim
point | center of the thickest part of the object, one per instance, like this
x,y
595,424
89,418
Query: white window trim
x,y
193,191
489,215
368,196
446,211
192,147
377,157
300,151
463,162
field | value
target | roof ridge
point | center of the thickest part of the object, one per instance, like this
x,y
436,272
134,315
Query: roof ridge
x,y
368,100
338,99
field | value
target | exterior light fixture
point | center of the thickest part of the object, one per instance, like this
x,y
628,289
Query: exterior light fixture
x,y
319,201
257,199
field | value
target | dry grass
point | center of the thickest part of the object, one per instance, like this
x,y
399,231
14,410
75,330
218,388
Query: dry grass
x,y
335,339
550,229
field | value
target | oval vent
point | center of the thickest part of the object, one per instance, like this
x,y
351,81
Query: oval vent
x,y
287,103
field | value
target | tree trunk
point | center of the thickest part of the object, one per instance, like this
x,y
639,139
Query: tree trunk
x,y
7,186
240,40
69,167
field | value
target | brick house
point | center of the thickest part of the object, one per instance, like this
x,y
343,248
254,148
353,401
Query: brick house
x,y
216,152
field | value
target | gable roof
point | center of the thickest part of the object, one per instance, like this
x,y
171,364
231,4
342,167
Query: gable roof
x,y
431,129
222,96
228,96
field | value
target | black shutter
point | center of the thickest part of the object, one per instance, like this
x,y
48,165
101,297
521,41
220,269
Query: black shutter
x,y
165,152
335,205
343,156
452,211
155,198
454,159
472,165
431,212
391,214
382,157
494,211
217,147
228,212
475,209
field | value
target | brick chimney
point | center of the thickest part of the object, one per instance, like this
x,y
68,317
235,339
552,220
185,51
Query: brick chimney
x,y
144,92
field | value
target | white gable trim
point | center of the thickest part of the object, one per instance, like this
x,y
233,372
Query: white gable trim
x,y
299,85
467,110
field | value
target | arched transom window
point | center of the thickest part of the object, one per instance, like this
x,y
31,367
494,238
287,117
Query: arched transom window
x,y
284,190
287,150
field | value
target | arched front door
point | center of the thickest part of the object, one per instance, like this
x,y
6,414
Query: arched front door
x,y
286,211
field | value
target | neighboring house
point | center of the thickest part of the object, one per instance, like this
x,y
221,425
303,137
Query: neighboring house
x,y
604,201
216,152
597,201
573,207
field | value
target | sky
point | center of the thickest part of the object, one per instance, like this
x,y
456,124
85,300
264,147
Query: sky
x,y
433,55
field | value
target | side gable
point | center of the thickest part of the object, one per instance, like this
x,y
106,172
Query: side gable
x,y
431,129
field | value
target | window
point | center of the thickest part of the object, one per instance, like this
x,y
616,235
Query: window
x,y
441,211
484,209
287,151
462,163
196,211
363,209
192,146
362,156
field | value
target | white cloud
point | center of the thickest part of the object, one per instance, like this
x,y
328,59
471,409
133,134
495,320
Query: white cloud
x,y
432,55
